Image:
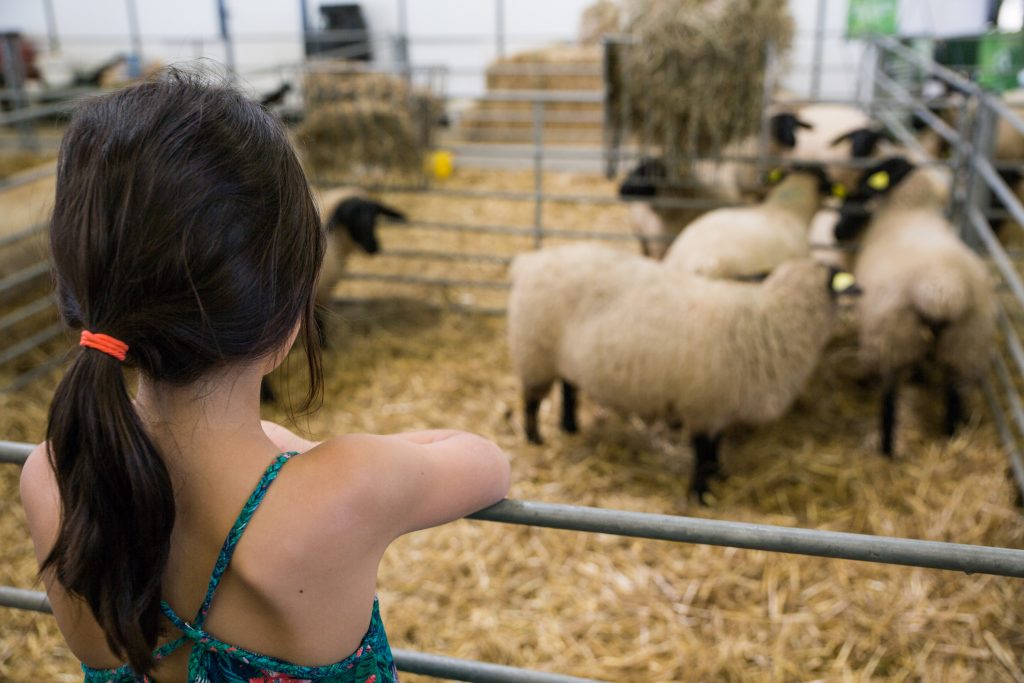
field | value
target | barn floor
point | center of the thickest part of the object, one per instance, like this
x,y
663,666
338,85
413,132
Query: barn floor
x,y
625,609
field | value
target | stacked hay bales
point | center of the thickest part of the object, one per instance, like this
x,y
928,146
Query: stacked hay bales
x,y
690,78
365,122
556,68
599,19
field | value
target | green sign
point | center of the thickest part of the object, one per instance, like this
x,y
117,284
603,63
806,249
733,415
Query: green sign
x,y
1000,60
871,17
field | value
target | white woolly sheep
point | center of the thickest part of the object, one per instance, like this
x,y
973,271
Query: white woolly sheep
x,y
726,181
643,339
749,241
926,295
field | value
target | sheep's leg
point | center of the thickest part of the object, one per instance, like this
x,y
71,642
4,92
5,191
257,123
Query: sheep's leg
x,y
888,414
705,464
645,247
531,406
267,392
954,407
569,406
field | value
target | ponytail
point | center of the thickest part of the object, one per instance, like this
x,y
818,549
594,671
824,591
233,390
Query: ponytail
x,y
117,506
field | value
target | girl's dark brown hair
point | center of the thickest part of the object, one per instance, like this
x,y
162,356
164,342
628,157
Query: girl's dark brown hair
x,y
183,226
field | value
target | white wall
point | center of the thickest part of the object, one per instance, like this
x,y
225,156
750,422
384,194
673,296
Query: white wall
x,y
456,33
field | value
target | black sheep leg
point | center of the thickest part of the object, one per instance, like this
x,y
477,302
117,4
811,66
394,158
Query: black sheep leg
x,y
705,450
531,405
888,415
569,424
954,407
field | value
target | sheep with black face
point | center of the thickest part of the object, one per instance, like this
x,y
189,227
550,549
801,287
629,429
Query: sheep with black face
x,y
927,296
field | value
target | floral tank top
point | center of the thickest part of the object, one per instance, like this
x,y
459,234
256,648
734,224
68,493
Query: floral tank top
x,y
214,661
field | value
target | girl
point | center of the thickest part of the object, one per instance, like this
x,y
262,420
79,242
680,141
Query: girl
x,y
179,537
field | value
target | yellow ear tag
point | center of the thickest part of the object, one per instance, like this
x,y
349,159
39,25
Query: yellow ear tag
x,y
842,281
878,181
839,190
775,175
440,164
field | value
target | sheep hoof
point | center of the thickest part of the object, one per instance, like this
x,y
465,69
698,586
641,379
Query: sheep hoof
x,y
534,438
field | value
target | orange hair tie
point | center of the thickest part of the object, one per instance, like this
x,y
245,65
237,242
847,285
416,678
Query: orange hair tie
x,y
105,343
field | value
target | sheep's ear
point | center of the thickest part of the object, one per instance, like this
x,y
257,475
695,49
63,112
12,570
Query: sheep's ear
x,y
783,128
863,141
394,214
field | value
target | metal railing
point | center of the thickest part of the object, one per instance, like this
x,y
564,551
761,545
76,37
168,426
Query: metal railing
x,y
971,559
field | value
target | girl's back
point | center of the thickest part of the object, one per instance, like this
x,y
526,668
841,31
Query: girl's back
x,y
184,230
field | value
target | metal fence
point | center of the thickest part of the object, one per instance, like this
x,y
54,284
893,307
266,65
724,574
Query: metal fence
x,y
891,89
970,559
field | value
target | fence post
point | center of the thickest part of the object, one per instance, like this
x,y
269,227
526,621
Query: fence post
x,y
978,193
499,27
538,173
612,123
14,87
819,48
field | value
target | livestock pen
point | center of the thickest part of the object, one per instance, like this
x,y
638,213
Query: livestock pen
x,y
766,593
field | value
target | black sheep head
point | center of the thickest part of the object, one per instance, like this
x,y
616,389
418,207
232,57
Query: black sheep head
x,y
875,182
359,217
783,128
863,141
644,179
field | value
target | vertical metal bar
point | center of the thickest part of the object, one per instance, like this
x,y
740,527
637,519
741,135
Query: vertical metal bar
x,y
977,193
609,137
135,58
304,19
819,48
766,103
963,170
402,40
225,36
499,27
14,79
538,173
51,26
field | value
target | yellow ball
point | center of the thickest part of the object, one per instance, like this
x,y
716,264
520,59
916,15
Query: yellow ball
x,y
441,164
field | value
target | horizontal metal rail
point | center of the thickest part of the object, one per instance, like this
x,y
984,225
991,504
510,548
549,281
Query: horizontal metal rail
x,y
22,235
30,309
24,276
29,343
27,177
417,254
430,281
408,661
929,66
832,544
28,376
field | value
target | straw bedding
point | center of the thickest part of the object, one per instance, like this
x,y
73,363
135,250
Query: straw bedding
x,y
624,609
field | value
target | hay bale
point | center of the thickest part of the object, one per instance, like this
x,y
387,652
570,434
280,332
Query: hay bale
x,y
599,18
692,74
364,136
348,82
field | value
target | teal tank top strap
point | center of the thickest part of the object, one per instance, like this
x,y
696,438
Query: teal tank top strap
x,y
194,629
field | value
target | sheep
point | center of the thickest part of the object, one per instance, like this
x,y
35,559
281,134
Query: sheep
x,y
833,134
351,224
727,181
641,338
927,297
749,241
